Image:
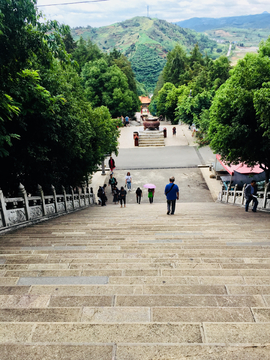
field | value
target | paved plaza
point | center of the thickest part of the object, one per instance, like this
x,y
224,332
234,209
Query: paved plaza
x,y
180,151
111,283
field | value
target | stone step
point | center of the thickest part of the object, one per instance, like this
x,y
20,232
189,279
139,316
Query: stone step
x,y
126,351
140,333
151,145
103,315
138,286
151,139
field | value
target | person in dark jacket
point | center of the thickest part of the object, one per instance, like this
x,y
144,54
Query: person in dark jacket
x,y
116,195
112,182
122,196
250,194
138,195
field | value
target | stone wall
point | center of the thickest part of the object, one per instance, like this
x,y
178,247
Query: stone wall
x,y
26,209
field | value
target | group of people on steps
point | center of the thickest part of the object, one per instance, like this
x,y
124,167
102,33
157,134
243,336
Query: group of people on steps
x,y
119,195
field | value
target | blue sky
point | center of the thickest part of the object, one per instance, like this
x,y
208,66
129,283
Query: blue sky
x,y
104,13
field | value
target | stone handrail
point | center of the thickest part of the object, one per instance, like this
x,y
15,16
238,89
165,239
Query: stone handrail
x,y
236,197
24,210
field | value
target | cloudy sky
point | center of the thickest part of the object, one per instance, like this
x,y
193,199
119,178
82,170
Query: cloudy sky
x,y
104,13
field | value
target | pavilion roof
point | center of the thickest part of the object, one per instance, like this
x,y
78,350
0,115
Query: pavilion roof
x,y
145,99
240,168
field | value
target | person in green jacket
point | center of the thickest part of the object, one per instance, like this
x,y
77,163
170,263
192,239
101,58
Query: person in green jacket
x,y
151,195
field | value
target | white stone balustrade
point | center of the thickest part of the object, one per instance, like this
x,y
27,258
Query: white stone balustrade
x,y
24,210
236,196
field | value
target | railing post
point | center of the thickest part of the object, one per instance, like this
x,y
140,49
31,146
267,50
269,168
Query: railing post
x,y
227,197
65,198
72,194
55,199
243,194
234,195
79,197
23,193
222,189
84,194
265,195
4,209
41,193
89,194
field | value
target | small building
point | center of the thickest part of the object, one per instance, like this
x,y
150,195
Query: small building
x,y
145,102
239,174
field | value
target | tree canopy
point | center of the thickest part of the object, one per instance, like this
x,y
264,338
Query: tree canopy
x,y
49,132
186,87
239,125
229,106
108,85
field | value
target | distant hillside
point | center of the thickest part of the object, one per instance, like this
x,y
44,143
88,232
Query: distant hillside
x,y
260,21
146,43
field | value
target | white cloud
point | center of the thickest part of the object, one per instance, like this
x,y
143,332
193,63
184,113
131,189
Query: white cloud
x,y
108,12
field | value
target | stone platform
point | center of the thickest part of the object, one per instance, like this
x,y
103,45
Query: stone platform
x,y
134,283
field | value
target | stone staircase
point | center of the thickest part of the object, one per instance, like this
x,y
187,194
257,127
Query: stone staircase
x,y
111,283
151,138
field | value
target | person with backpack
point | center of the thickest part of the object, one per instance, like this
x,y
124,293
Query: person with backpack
x,y
172,194
112,182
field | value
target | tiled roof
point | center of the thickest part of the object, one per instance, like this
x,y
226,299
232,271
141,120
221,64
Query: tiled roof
x,y
145,99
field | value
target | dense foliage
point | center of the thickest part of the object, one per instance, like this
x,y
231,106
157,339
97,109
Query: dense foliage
x,y
239,127
229,107
187,85
49,131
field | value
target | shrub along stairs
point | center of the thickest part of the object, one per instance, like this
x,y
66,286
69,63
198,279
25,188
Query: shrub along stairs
x,y
134,283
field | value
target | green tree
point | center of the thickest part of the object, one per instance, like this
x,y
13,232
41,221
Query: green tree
x,y
261,102
42,101
162,98
195,56
125,66
154,99
236,130
194,110
84,52
18,40
219,72
108,85
175,66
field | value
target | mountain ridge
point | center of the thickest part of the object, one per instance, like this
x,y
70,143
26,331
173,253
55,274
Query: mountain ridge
x,y
146,42
258,21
